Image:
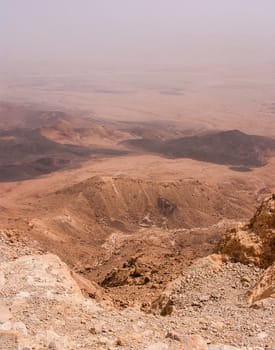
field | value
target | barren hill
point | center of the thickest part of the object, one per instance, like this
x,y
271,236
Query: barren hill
x,y
124,202
103,222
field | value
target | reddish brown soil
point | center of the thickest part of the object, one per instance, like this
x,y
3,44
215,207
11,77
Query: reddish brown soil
x,y
105,209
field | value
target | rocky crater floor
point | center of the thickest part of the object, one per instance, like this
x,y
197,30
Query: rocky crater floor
x,y
219,302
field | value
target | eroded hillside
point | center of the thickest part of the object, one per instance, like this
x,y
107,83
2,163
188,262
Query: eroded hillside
x,y
102,223
137,232
43,305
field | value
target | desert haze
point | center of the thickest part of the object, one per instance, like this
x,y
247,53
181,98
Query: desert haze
x,y
137,187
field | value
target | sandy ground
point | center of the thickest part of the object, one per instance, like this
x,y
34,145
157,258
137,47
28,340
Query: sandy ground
x,y
148,166
191,100
212,100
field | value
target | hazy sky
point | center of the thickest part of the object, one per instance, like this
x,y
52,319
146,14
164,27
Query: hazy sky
x,y
44,35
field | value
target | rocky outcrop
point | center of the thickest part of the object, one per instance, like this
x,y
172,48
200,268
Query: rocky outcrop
x,y
134,272
254,242
265,288
164,304
88,288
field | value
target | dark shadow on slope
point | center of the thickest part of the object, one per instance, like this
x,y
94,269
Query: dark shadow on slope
x,y
233,148
26,154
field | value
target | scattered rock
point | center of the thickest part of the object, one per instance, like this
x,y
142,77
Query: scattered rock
x,y
53,346
120,342
8,340
204,298
134,272
163,305
173,336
